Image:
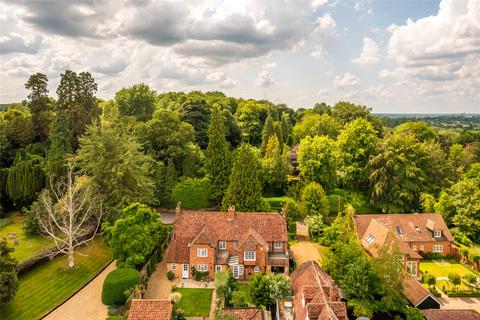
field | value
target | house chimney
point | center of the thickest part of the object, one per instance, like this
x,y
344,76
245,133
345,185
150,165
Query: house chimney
x,y
178,209
231,212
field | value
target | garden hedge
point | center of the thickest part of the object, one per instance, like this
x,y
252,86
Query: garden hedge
x,y
117,282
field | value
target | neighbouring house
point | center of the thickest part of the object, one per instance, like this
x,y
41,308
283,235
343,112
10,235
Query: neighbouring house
x,y
466,314
246,313
418,295
150,309
247,242
416,234
315,296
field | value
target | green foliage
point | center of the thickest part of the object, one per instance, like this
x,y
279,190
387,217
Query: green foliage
x,y
314,201
316,125
427,202
59,146
403,170
193,193
345,112
239,299
170,275
413,314
25,178
455,279
137,101
40,104
8,275
249,120
271,128
165,178
275,166
218,160
30,224
266,289
111,154
420,130
196,111
245,189
357,142
76,97
315,226
117,283
18,127
134,237
460,207
316,160
7,151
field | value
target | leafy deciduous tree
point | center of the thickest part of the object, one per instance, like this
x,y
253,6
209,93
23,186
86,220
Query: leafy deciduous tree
x,y
137,101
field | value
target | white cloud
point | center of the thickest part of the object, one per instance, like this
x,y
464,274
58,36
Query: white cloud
x,y
346,80
264,79
370,53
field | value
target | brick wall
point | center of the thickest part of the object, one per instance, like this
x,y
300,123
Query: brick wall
x,y
428,246
209,260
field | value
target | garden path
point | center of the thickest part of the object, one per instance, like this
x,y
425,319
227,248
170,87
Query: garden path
x,y
158,286
307,251
85,304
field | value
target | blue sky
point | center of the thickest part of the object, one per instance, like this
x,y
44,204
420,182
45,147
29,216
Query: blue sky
x,y
394,56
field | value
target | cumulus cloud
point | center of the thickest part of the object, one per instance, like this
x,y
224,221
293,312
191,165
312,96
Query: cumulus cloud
x,y
345,80
264,79
370,53
17,43
438,47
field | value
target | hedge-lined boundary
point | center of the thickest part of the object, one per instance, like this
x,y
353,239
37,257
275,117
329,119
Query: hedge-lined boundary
x,y
86,284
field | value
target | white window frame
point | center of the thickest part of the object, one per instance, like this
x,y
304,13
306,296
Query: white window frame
x,y
422,247
256,269
174,266
202,267
414,247
369,239
222,245
277,245
437,248
252,258
218,268
409,266
202,252
437,233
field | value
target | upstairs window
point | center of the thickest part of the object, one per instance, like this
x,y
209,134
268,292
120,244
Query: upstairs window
x,y
437,248
222,245
202,252
437,233
277,245
249,256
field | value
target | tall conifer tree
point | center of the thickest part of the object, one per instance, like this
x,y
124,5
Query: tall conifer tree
x,y
245,189
268,131
218,161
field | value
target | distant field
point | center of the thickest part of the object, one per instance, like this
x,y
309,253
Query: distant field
x,y
28,246
47,285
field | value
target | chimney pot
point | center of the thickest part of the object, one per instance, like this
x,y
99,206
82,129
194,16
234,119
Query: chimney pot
x,y
231,212
283,213
178,209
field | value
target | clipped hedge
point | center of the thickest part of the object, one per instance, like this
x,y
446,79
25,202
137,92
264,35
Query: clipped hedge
x,y
117,282
463,294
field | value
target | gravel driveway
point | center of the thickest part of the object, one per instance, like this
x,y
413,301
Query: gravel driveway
x,y
306,251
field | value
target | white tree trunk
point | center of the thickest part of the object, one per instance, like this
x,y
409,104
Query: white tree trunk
x,y
71,259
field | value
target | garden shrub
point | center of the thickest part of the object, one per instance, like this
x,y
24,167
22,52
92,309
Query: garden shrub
x,y
170,275
5,222
192,193
116,283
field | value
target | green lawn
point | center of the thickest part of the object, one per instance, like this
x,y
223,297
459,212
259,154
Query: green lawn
x,y
47,285
195,302
28,246
276,203
444,270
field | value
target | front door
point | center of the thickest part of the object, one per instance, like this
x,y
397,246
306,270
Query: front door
x,y
186,271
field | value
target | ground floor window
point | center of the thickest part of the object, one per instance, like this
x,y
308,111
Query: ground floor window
x,y
256,269
412,268
421,248
174,266
278,269
202,267
218,268
438,248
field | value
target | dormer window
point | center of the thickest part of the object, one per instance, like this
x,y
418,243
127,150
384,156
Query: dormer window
x,y
437,233
399,230
369,239
417,229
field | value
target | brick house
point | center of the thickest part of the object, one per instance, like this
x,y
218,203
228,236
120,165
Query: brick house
x,y
315,295
415,234
246,242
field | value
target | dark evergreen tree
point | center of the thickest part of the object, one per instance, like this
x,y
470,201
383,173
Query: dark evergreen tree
x,y
218,158
8,275
196,111
245,189
39,104
76,97
60,146
25,178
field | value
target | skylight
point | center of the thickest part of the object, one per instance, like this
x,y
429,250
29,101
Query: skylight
x,y
399,230
369,239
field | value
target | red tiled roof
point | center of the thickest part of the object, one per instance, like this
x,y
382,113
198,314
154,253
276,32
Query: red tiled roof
x,y
322,297
251,239
218,225
150,309
442,314
414,291
244,313
412,225
206,236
